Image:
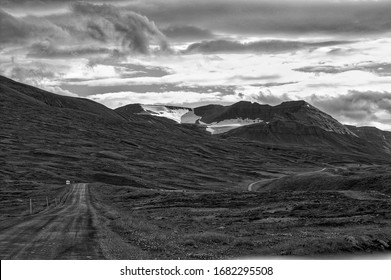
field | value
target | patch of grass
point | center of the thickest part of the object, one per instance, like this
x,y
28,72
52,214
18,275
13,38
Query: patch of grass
x,y
165,225
209,237
15,197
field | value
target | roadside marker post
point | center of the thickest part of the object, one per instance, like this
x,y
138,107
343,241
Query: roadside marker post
x,y
47,202
31,207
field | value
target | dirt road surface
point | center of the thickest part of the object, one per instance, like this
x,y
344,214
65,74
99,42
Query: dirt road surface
x,y
64,232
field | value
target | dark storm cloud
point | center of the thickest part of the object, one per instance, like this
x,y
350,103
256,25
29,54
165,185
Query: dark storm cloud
x,y
358,106
187,32
134,30
96,32
258,16
15,30
87,23
46,2
48,50
271,17
380,69
12,29
265,46
86,90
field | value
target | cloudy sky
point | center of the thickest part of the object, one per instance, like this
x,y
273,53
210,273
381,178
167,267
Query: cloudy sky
x,y
334,54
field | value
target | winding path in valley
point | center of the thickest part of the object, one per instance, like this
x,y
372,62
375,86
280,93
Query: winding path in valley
x,y
263,182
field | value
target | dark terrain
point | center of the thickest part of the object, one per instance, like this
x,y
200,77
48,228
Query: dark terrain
x,y
164,190
63,231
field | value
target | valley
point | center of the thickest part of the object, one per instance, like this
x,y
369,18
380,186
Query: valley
x,y
307,223
300,185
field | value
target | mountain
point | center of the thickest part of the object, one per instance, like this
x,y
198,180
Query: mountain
x,y
290,132
308,115
299,123
290,123
46,139
168,112
188,192
247,113
32,96
375,136
219,119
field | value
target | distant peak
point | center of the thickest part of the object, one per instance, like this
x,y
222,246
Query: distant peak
x,y
245,103
241,103
294,103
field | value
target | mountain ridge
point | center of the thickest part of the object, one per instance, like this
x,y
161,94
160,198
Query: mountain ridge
x,y
290,123
290,110
39,96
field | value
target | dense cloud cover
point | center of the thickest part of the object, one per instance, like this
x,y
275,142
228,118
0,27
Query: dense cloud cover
x,y
256,16
357,106
187,32
20,31
265,46
135,30
13,3
381,69
271,17
334,54
102,26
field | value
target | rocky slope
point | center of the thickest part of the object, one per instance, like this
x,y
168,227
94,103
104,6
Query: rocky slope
x,y
18,92
168,112
377,137
298,111
289,123
47,138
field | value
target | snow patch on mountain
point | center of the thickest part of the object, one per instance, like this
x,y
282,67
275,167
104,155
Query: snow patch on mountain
x,y
190,117
173,113
227,125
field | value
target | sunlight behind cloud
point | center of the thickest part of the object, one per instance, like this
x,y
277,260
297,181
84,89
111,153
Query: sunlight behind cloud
x,y
199,50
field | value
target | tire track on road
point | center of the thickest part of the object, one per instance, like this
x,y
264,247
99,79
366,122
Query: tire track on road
x,y
65,232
